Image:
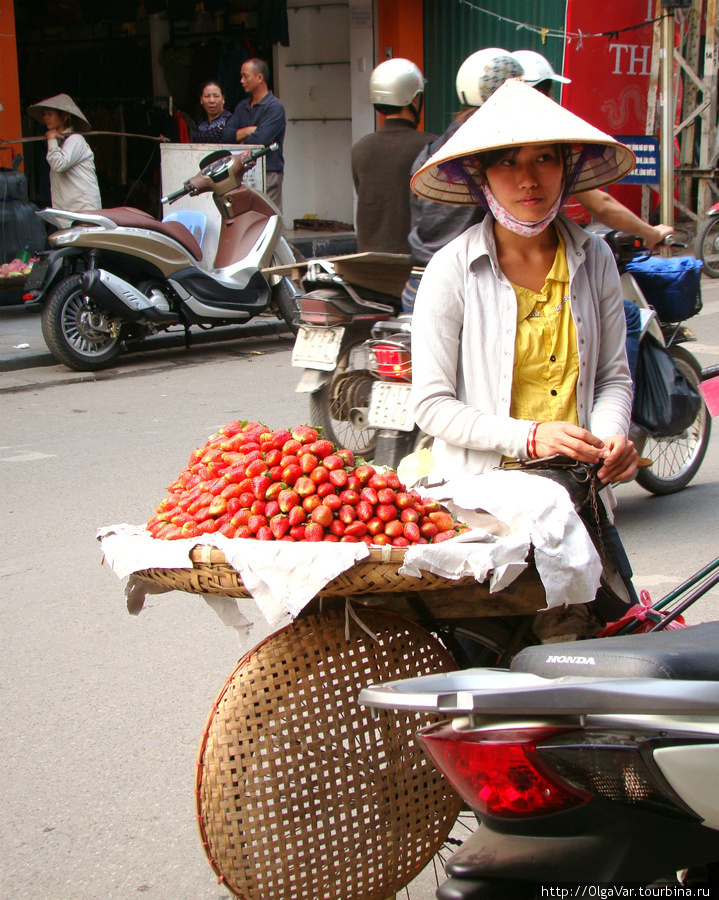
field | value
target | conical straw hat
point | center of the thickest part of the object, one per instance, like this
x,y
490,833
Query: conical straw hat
x,y
517,114
64,103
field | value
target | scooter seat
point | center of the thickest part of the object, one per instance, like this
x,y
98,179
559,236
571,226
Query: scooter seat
x,y
684,654
127,217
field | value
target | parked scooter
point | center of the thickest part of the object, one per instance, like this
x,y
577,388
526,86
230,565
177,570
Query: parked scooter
x,y
132,275
675,459
335,321
589,763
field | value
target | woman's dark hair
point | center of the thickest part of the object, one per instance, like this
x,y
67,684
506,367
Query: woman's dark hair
x,y
206,84
492,157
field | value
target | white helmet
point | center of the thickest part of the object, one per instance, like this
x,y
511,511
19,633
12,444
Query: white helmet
x,y
395,82
483,72
537,68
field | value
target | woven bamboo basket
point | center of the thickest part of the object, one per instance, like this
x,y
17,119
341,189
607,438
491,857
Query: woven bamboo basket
x,y
300,793
212,574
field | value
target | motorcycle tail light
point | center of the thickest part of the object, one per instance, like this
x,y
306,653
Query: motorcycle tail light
x,y
393,361
613,766
499,773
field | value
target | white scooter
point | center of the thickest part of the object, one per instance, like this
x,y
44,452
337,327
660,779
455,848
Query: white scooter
x,y
588,763
118,275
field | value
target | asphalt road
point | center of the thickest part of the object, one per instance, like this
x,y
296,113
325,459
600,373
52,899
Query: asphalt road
x,y
103,712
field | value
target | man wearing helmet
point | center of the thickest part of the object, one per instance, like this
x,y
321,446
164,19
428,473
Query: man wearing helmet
x,y
478,78
382,161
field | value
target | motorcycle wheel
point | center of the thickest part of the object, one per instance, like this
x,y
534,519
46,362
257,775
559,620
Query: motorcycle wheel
x,y
676,460
707,246
69,332
349,388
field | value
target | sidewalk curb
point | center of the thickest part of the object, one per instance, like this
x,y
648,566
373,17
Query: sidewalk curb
x,y
270,326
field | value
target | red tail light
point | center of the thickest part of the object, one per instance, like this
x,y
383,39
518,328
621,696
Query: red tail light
x,y
499,773
391,361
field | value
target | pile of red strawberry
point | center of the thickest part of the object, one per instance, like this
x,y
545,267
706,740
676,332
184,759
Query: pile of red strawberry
x,y
250,482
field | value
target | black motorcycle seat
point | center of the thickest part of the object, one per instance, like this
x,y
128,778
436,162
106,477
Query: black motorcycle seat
x,y
684,654
127,217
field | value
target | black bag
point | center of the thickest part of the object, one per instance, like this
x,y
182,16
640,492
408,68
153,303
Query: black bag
x,y
665,401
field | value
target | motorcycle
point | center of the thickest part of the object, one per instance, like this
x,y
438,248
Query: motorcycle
x,y
586,764
119,275
707,243
675,459
336,314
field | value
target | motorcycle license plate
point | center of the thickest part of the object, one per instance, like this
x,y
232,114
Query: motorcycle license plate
x,y
37,275
317,348
389,406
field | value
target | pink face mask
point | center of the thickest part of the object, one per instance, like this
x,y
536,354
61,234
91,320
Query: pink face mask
x,y
506,219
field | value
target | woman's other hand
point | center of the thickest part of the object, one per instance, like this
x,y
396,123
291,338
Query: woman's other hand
x,y
52,135
620,463
569,439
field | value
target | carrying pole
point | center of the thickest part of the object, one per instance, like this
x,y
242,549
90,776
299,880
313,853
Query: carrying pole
x,y
666,205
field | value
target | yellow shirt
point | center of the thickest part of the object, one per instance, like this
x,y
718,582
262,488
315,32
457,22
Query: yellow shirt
x,y
546,360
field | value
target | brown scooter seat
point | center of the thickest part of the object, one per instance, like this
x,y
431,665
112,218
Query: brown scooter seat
x,y
127,217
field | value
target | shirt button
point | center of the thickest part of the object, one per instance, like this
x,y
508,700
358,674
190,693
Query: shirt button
x,y
553,392
552,358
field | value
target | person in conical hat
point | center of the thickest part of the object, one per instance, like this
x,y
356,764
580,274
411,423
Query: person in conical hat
x,y
73,179
518,331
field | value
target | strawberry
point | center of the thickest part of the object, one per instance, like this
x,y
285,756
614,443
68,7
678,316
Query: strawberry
x,y
443,536
338,477
400,542
288,499
356,529
260,484
411,531
387,512
190,530
443,521
296,516
322,448
228,529
322,515
279,526
297,532
218,506
256,522
364,510
314,532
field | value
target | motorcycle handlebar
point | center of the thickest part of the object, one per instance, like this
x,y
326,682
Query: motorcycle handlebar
x,y
175,195
263,151
253,155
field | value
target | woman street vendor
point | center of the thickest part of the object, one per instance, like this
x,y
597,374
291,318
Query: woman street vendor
x,y
73,179
519,322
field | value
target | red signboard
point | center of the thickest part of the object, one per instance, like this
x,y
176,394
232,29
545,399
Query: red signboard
x,y
610,72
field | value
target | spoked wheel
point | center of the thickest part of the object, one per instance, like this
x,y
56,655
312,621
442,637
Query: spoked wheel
x,y
707,246
340,406
77,334
676,460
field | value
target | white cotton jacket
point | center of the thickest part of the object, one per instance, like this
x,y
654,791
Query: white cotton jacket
x,y
463,337
73,180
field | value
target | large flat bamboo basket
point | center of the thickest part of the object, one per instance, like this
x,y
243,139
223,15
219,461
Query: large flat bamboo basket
x,y
300,793
379,572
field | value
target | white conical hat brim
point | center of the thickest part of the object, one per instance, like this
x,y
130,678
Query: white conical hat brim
x,y
65,103
515,115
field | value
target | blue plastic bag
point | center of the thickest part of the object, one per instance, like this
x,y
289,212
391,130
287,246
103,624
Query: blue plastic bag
x,y
672,286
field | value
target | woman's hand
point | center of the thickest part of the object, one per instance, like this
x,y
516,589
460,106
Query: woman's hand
x,y
52,134
569,439
620,463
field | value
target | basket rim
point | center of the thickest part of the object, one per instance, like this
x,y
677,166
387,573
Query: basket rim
x,y
206,554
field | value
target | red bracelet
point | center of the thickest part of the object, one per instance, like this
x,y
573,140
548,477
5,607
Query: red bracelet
x,y
532,440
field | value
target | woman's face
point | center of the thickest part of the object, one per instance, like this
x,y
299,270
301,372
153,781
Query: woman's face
x,y
212,100
527,181
53,119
